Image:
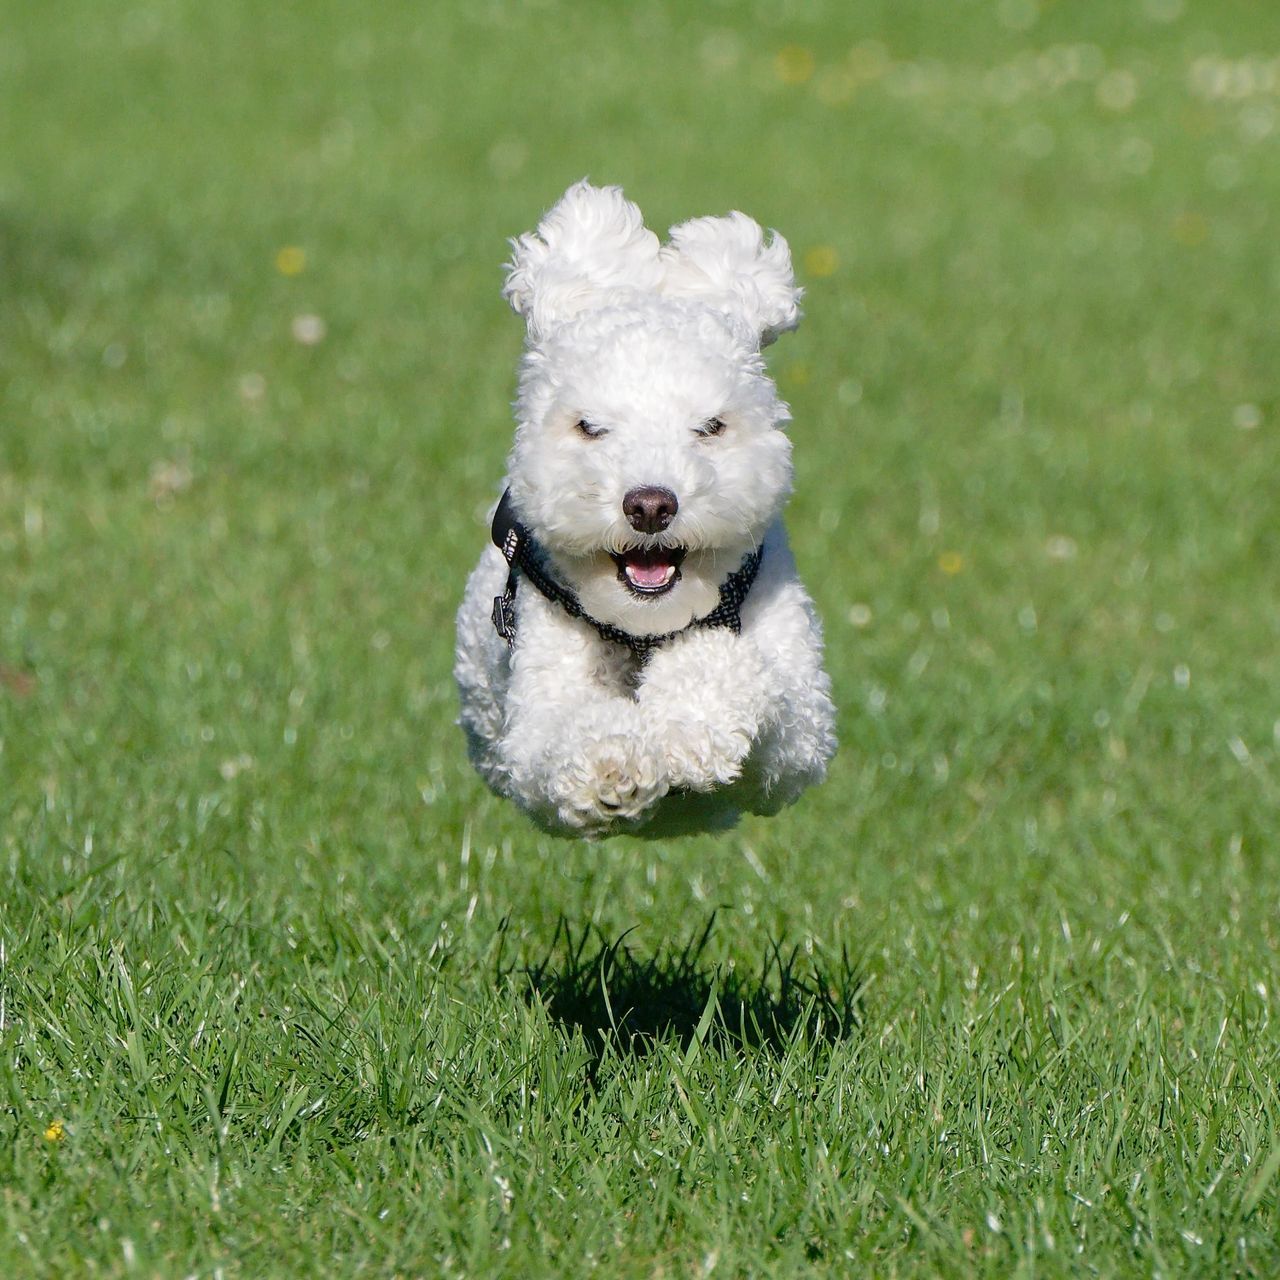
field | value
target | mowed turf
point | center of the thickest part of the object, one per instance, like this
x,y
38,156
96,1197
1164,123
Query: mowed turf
x,y
284,991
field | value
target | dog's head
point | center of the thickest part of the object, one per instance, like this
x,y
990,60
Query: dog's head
x,y
649,456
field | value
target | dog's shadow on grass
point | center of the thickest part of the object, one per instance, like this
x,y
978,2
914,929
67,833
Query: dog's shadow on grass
x,y
628,1003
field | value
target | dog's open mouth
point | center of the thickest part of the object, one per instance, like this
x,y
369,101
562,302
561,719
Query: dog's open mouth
x,y
649,571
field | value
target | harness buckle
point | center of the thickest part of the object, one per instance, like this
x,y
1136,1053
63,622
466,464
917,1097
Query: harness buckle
x,y
504,618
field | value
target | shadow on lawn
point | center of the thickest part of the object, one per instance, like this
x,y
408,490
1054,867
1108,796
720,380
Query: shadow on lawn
x,y
629,1003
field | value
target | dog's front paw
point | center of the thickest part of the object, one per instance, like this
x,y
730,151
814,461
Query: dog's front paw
x,y
615,780
701,757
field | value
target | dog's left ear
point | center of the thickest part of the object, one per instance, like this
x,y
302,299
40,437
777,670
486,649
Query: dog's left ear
x,y
727,263
592,244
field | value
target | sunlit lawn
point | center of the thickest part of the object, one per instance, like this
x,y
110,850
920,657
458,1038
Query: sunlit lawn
x,y
284,991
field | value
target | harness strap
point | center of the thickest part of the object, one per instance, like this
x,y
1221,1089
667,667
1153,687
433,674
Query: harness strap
x,y
523,555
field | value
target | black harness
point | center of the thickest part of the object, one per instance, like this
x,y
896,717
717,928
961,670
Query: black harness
x,y
523,555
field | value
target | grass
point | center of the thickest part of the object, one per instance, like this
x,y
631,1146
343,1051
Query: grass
x,y
283,991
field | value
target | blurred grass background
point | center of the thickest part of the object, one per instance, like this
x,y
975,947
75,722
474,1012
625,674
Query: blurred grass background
x,y
255,376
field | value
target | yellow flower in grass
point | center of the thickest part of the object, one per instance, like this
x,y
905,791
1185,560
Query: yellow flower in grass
x,y
794,64
56,1131
822,260
291,260
951,563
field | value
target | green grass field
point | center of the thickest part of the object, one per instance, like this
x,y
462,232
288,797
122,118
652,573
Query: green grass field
x,y
285,992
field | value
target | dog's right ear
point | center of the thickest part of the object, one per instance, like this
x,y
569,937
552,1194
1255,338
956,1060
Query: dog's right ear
x,y
592,242
727,264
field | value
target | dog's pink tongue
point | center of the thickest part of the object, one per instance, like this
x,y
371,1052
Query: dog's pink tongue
x,y
649,569
648,575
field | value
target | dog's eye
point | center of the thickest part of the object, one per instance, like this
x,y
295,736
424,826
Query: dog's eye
x,y
712,427
583,427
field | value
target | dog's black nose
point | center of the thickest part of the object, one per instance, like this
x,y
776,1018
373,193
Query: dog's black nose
x,y
650,508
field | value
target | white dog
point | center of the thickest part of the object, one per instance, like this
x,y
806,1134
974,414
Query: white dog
x,y
638,632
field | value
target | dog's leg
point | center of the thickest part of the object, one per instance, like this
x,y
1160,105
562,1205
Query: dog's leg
x,y
574,752
797,736
702,699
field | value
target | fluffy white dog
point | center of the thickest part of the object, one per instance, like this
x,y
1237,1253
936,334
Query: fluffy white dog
x,y
638,634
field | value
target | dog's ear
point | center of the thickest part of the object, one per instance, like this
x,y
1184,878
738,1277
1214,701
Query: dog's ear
x,y
726,263
593,241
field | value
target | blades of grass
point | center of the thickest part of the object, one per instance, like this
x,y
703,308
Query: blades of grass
x,y
1262,1180
709,1012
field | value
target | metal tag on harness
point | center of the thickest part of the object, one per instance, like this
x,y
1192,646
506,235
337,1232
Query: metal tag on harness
x,y
504,618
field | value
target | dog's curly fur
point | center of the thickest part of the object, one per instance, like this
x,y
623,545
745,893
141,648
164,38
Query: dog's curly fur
x,y
643,368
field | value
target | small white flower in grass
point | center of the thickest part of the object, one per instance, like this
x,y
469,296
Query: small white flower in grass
x,y
720,51
1060,547
869,60
169,478
1224,171
1135,156
1257,120
860,615
235,766
1018,15
1087,61
1247,417
308,329
1005,84
835,85
1035,140
1208,78
1182,676
1117,90
507,157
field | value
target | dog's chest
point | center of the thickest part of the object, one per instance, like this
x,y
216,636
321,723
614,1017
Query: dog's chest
x,y
617,671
